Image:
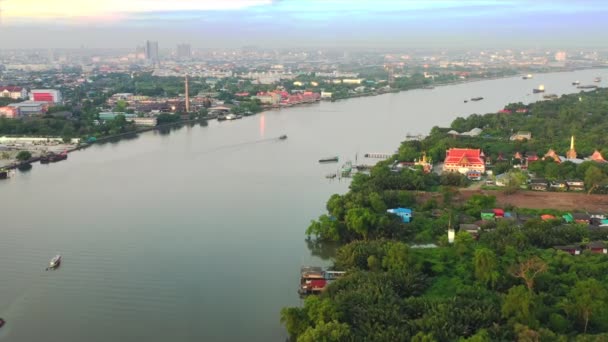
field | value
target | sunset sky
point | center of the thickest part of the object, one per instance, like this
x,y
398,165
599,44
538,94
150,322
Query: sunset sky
x,y
217,23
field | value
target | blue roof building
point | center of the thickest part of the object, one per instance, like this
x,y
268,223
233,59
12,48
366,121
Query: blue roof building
x,y
404,213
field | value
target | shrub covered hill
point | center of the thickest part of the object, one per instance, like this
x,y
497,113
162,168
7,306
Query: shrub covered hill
x,y
506,283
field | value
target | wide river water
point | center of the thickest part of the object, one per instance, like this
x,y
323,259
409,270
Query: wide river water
x,y
198,234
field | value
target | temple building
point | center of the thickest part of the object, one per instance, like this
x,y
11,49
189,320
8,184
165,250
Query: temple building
x,y
597,157
464,160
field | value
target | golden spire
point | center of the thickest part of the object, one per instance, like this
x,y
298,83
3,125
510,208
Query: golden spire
x,y
571,154
572,142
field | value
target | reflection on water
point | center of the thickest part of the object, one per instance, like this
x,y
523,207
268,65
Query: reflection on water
x,y
323,250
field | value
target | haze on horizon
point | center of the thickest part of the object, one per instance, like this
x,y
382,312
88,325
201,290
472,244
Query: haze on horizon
x,y
301,23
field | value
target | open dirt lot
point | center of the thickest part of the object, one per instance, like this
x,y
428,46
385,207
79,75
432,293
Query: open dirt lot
x,y
531,199
546,200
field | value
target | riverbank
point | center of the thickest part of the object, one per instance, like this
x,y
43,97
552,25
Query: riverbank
x,y
14,164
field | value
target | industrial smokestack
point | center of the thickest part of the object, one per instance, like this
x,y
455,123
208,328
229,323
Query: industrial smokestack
x,y
187,96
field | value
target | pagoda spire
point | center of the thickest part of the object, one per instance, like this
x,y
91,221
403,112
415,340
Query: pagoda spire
x,y
571,154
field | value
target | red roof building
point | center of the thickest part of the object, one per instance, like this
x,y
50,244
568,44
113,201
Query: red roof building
x,y
463,160
13,92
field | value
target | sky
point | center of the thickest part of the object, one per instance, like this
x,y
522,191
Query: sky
x,y
303,23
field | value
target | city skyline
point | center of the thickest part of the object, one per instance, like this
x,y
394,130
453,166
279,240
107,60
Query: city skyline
x,y
304,23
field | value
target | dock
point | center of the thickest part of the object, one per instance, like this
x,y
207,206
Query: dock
x,y
378,155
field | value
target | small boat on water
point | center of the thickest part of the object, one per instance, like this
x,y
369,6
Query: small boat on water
x,y
221,117
477,98
2,322
576,83
283,137
550,96
540,89
587,86
347,168
597,79
329,160
52,157
3,174
465,101
527,77
55,262
233,116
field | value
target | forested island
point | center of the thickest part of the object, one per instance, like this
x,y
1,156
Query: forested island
x,y
531,275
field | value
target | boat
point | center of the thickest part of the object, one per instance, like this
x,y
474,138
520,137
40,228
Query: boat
x,y
2,322
45,159
540,89
329,160
3,174
283,137
55,262
527,77
597,79
221,117
477,98
347,168
587,86
331,176
550,96
576,82
465,101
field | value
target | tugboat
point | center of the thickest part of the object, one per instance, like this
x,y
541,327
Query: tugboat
x,y
55,262
283,137
540,89
329,160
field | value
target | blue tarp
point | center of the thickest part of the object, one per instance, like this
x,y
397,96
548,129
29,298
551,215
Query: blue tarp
x,y
404,213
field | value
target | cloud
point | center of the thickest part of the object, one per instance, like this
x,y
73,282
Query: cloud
x,y
21,10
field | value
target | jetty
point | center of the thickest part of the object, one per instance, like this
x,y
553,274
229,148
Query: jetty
x,y
378,155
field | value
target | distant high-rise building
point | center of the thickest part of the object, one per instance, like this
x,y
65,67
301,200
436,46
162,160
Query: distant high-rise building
x,y
140,52
183,51
560,56
152,51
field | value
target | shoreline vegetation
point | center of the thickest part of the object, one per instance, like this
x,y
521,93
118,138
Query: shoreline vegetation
x,y
496,271
125,129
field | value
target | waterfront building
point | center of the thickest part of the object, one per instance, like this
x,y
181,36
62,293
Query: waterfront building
x,y
112,115
13,92
46,95
30,107
151,122
463,160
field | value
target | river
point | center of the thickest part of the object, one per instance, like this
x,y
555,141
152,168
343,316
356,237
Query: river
x,y
197,234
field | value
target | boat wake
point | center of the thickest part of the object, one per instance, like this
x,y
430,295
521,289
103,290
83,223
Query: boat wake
x,y
236,146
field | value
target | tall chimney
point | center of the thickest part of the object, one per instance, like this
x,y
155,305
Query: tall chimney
x,y
187,96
